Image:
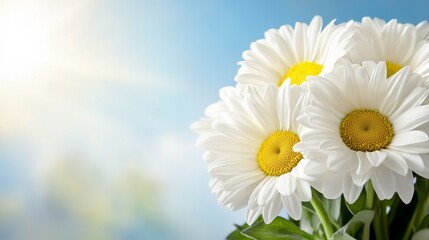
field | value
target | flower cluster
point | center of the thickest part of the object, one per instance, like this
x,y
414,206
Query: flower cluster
x,y
336,109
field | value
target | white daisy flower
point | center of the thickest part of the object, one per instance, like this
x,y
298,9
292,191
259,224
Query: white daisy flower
x,y
249,151
363,127
203,126
395,43
294,53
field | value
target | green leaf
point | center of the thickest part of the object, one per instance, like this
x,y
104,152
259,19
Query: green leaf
x,y
332,206
319,234
310,221
343,237
280,228
422,187
358,205
308,206
421,235
425,223
236,235
362,220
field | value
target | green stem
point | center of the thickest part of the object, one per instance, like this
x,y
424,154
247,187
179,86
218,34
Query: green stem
x,y
335,224
380,222
383,219
369,203
416,219
424,202
323,216
422,213
410,227
365,233
377,221
369,195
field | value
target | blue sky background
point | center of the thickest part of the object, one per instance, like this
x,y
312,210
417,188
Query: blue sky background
x,y
96,99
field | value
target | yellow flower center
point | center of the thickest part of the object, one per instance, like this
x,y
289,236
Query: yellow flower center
x,y
275,156
366,130
298,73
392,68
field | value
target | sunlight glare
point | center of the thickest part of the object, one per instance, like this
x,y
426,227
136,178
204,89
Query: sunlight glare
x,y
24,45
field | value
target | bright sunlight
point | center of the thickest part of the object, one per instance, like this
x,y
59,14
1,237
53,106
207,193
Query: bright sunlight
x,y
24,42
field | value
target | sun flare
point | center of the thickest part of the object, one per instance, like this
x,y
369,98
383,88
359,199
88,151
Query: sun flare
x,y
24,41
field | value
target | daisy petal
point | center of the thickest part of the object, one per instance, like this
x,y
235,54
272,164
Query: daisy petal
x,y
304,190
341,161
405,187
384,182
408,138
351,191
376,157
421,168
252,215
412,118
330,187
240,181
396,163
415,162
270,212
293,206
360,180
286,184
268,191
364,165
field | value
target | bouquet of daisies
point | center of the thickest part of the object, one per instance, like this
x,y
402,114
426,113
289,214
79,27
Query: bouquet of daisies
x,y
329,124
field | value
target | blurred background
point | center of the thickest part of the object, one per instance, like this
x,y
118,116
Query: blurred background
x,y
96,99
